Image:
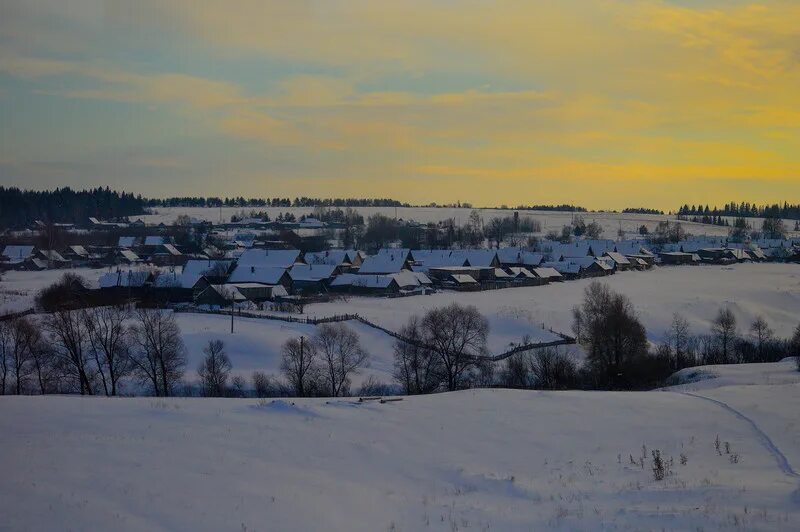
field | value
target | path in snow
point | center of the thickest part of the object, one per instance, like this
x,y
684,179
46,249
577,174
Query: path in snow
x,y
780,458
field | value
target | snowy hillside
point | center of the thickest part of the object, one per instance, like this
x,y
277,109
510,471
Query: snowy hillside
x,y
471,460
771,290
551,220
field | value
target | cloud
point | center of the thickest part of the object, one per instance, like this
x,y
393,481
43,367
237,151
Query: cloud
x,y
516,93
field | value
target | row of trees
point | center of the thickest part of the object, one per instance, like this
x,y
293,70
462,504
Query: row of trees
x,y
92,351
21,208
725,343
744,209
199,201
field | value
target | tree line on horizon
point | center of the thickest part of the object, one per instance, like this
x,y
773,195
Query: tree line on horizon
x,y
743,210
21,208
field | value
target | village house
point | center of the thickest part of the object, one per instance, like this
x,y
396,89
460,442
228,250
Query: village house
x,y
678,258
312,278
386,262
14,257
270,258
175,287
269,275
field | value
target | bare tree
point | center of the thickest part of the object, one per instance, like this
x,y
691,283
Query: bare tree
x,y
299,365
457,334
679,335
70,339
159,356
264,385
341,355
5,354
516,371
214,369
795,345
723,329
110,344
761,334
45,366
417,369
608,328
552,369
18,341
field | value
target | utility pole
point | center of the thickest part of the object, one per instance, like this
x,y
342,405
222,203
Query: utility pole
x,y
231,314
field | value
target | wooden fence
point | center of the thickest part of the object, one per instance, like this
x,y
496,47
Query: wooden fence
x,y
563,339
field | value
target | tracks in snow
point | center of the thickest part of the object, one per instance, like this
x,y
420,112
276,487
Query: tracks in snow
x,y
766,441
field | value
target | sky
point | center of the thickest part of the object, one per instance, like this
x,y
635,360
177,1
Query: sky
x,y
601,103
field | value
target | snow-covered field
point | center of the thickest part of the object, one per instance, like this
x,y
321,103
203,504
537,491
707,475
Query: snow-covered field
x,y
697,292
771,290
471,460
18,289
610,222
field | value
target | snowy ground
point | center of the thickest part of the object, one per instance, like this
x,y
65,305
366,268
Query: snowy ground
x,y
772,290
18,289
610,222
697,292
472,460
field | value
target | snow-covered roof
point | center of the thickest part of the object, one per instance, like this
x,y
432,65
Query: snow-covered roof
x,y
382,264
500,273
546,273
127,278
275,258
563,267
226,291
79,250
363,281
154,241
256,274
172,250
331,256
203,267
407,279
600,246
479,257
519,271
126,241
312,272
18,252
421,277
619,258
519,256
311,223
129,255
462,278
631,247
434,258
51,254
580,248
175,280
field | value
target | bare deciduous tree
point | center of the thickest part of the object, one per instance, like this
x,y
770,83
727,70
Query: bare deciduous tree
x,y
264,385
298,365
679,336
552,369
457,334
341,356
110,344
614,338
70,339
159,356
724,331
516,371
417,369
761,333
214,370
795,345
